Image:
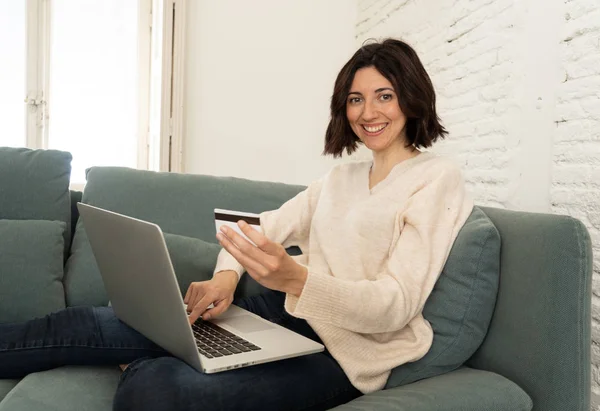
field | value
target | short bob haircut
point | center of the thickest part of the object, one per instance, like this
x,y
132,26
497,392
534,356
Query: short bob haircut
x,y
398,63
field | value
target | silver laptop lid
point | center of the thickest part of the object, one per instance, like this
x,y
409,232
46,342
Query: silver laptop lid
x,y
147,297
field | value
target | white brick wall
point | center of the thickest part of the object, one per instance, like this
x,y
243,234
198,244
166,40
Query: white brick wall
x,y
576,156
466,48
518,86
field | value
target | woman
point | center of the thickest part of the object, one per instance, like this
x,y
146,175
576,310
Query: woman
x,y
374,234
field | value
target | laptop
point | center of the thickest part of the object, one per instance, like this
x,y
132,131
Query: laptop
x,y
141,284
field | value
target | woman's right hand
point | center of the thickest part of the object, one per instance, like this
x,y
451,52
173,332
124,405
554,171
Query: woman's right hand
x,y
218,291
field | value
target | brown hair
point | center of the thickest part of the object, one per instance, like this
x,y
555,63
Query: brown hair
x,y
398,63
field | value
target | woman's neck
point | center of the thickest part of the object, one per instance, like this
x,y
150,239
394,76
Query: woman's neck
x,y
384,162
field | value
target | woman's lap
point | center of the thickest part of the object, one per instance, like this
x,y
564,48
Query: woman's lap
x,y
94,336
312,382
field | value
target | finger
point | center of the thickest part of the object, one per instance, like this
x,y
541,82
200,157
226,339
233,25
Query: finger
x,y
261,240
188,293
197,294
193,317
201,307
188,298
242,243
219,308
268,255
249,250
249,263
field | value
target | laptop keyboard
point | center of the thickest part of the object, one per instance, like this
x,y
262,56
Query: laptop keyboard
x,y
213,341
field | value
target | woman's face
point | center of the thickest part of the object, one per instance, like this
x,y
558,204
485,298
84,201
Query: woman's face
x,y
373,111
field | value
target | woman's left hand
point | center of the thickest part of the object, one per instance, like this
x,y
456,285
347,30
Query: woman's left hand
x,y
268,263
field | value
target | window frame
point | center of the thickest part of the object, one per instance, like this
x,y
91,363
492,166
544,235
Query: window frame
x,y
38,100
170,148
177,93
37,58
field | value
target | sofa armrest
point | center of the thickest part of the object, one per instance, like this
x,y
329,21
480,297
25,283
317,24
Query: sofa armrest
x,y
539,336
465,389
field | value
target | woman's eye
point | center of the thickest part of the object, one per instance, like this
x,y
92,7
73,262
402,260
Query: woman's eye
x,y
354,100
386,97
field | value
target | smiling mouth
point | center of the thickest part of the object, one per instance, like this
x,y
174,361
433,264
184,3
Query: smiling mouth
x,y
373,130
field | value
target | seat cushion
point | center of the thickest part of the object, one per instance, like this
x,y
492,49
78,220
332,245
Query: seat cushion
x,y
180,204
73,388
462,302
6,386
31,268
465,389
35,186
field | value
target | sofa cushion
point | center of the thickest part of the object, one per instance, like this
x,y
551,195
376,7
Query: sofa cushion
x,y
72,388
465,389
195,260
192,259
75,198
31,268
35,186
6,386
180,204
462,302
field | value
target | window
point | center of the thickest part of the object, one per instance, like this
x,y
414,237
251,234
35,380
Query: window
x,y
93,88
92,77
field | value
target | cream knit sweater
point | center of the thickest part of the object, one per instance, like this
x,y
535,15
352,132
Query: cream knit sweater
x,y
373,257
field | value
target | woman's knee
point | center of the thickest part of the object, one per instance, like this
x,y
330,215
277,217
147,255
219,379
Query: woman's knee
x,y
164,383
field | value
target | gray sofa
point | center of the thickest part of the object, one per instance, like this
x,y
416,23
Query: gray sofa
x,y
535,356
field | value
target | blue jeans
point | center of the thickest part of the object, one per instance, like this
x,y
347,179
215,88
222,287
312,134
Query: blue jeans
x,y
156,381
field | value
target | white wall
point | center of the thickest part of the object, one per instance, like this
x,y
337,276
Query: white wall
x,y
259,77
518,85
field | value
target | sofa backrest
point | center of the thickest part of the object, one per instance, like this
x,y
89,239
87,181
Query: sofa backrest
x,y
35,218
539,336
181,204
35,186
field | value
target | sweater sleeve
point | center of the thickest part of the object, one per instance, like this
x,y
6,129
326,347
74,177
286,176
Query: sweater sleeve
x,y
425,229
288,225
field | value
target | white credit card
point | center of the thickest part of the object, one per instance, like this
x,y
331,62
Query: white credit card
x,y
229,218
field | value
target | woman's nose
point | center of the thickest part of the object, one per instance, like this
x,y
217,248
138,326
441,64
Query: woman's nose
x,y
370,112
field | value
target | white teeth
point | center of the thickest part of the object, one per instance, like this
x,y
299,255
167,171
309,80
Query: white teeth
x,y
374,129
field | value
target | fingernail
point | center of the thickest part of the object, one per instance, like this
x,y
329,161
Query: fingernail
x,y
242,223
206,317
225,229
219,236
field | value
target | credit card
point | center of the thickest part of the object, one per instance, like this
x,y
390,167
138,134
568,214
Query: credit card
x,y
230,218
